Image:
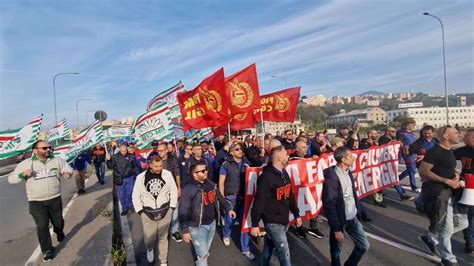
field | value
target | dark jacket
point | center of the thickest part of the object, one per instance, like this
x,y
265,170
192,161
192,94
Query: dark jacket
x,y
333,199
123,166
184,166
79,163
254,156
274,198
365,144
191,204
384,140
98,155
235,176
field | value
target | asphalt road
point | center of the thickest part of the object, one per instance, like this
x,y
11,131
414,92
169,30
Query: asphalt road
x,y
17,230
393,236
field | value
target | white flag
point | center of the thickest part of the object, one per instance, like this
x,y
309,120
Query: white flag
x,y
17,141
59,131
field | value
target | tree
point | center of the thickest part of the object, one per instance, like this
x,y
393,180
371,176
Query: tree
x,y
399,120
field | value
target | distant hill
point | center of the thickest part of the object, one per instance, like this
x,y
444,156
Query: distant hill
x,y
372,93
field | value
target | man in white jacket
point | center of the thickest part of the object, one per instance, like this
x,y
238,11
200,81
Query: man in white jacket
x,y
154,197
41,174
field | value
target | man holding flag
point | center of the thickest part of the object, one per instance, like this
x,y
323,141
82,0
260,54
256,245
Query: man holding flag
x,y
41,175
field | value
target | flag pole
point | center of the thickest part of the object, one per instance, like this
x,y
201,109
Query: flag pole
x,y
228,127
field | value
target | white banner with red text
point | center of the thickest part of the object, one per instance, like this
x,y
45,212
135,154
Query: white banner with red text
x,y
373,170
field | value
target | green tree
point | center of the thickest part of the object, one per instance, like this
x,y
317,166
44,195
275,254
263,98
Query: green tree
x,y
398,120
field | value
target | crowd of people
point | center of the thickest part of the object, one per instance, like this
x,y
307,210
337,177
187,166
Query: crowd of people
x,y
184,189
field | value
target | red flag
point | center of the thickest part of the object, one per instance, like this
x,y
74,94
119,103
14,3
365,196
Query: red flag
x,y
237,122
206,105
279,106
243,90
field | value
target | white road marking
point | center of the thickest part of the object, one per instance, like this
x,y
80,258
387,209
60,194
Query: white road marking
x,y
37,252
400,246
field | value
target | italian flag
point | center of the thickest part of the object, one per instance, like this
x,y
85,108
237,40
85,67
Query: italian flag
x,y
153,125
17,141
86,139
59,131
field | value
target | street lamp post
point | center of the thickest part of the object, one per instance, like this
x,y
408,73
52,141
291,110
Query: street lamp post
x,y
54,92
77,110
87,114
444,65
280,77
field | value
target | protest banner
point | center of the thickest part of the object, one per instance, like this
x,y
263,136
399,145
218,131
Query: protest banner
x,y
374,169
17,141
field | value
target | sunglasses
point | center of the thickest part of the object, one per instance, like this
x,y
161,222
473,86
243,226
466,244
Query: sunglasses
x,y
202,171
161,150
45,148
240,138
237,149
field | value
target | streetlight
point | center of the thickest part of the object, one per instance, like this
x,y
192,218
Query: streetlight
x,y
54,91
280,77
444,65
87,114
77,109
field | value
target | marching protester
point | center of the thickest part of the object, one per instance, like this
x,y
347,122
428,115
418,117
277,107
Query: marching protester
x,y
199,209
256,153
170,164
155,196
407,137
367,143
389,136
319,145
288,142
341,208
466,156
79,165
446,217
141,161
232,187
41,174
98,158
184,165
125,169
273,202
198,157
301,153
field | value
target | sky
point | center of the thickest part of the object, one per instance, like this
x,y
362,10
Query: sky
x,y
128,51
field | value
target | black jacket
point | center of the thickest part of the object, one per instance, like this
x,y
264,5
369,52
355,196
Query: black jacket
x,y
254,156
123,166
333,199
190,209
384,140
274,198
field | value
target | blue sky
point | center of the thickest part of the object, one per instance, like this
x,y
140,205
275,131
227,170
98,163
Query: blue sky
x,y
128,51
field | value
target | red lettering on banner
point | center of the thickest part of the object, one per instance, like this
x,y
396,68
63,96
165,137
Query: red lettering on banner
x,y
373,170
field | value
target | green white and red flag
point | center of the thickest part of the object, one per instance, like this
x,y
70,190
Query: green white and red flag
x,y
59,131
153,125
17,141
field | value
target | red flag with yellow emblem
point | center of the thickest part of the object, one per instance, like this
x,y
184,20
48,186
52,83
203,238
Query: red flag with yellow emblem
x,y
237,122
279,106
207,104
243,90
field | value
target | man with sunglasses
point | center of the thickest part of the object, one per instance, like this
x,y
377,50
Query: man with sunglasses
x,y
199,206
41,174
273,202
232,186
289,142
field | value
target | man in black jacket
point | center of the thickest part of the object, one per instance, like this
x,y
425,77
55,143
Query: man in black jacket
x,y
125,169
341,207
198,209
273,202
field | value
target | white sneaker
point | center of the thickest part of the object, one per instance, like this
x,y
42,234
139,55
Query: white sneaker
x,y
150,256
249,255
418,190
226,241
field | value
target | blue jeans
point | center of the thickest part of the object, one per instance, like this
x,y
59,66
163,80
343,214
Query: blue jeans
x,y
174,221
411,172
100,171
355,230
469,231
276,239
237,203
125,193
453,224
202,238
